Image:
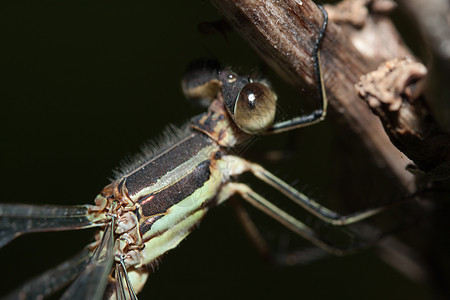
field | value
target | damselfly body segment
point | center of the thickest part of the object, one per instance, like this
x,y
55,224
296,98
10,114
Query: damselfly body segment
x,y
156,201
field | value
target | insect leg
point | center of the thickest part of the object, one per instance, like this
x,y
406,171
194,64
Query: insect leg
x,y
283,217
321,212
318,114
297,257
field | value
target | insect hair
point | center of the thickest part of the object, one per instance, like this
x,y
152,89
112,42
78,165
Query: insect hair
x,y
150,149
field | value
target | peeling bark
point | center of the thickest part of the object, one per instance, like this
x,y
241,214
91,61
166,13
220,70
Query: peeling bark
x,y
393,92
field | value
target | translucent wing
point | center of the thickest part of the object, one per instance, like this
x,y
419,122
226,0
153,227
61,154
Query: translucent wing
x,y
18,219
47,283
124,289
92,281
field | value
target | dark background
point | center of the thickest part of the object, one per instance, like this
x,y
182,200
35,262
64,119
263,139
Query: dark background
x,y
84,84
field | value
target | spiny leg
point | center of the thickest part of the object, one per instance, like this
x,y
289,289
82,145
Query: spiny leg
x,y
318,114
286,219
296,257
251,229
239,165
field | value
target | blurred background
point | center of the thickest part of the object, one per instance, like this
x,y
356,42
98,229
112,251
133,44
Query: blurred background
x,y
87,83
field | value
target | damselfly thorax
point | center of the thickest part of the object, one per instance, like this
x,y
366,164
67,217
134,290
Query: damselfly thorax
x,y
159,203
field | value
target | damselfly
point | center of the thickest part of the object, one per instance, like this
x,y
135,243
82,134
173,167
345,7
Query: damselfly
x,y
194,169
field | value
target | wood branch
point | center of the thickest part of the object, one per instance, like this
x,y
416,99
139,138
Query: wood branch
x,y
284,34
394,92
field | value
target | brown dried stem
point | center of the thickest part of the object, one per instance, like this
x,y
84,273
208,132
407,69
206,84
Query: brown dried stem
x,y
393,92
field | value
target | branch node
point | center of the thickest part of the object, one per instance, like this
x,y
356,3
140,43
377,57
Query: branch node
x,y
394,94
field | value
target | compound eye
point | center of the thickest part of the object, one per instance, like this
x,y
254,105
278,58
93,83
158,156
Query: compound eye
x,y
255,108
231,78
